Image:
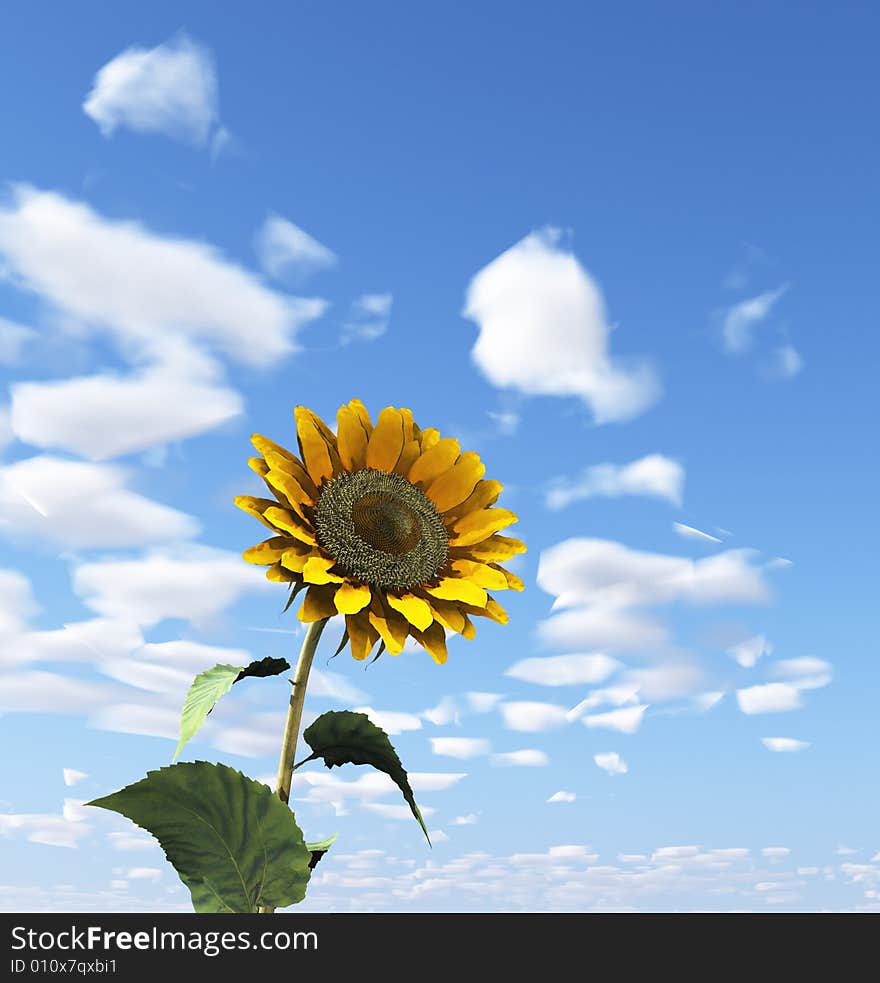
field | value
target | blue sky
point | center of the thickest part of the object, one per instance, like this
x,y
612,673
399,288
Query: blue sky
x,y
626,255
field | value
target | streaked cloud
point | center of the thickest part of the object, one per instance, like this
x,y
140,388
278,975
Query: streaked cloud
x,y
739,322
286,250
784,744
564,670
654,476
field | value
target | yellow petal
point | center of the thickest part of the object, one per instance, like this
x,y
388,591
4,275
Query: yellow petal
x,y
492,610
317,571
480,574
295,558
266,447
495,549
362,636
513,582
259,465
434,640
434,461
477,526
409,426
288,522
448,613
257,507
386,441
469,630
451,589
318,604
295,468
351,438
289,490
454,485
277,574
351,598
358,407
313,447
408,457
269,551
392,627
484,494
429,438
416,610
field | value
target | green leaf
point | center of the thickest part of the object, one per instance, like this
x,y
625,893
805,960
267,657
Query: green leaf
x,y
264,667
318,850
232,841
343,737
209,686
206,690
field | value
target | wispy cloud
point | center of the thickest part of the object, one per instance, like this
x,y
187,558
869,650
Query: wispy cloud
x,y
286,250
654,476
784,744
368,318
581,668
738,323
689,532
611,762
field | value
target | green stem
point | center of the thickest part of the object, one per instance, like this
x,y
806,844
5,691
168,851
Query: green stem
x,y
294,715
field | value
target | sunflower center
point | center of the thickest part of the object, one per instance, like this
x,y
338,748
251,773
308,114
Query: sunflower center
x,y
386,524
381,529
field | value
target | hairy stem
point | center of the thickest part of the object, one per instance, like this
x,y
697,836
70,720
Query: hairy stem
x,y
294,715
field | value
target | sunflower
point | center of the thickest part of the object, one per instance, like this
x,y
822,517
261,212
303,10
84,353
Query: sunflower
x,y
389,525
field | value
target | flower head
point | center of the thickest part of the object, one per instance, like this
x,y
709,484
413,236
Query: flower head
x,y
389,525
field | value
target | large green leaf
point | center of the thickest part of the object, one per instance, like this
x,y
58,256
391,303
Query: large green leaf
x,y
234,843
209,686
343,737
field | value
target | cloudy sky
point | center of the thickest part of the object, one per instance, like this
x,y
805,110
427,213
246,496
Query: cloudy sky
x,y
623,253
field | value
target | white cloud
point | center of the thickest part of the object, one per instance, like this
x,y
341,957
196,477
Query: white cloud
x,y
194,657
388,811
434,781
334,685
460,747
528,758
48,692
593,571
506,423
93,641
483,702
784,744
806,672
170,89
705,701
627,720
614,695
392,721
748,651
151,293
787,362
655,475
285,249
532,716
769,698
446,712
666,681
564,670
51,830
74,777
259,735
17,603
775,853
469,820
80,505
136,718
739,321
13,338
611,762
603,581
144,874
192,583
689,532
367,318
132,839
562,796
543,330
169,401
